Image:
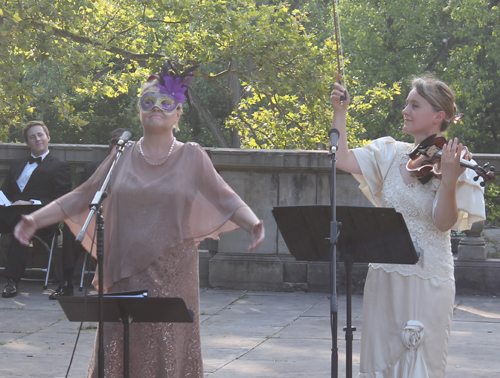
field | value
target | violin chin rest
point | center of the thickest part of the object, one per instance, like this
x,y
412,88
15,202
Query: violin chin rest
x,y
425,179
427,141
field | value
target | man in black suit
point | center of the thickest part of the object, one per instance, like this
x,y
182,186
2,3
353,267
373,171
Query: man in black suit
x,y
37,179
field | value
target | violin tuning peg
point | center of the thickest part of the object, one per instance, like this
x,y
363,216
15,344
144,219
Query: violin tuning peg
x,y
482,183
476,178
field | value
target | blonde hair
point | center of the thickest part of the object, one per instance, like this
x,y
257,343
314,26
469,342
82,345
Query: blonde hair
x,y
31,124
439,95
153,85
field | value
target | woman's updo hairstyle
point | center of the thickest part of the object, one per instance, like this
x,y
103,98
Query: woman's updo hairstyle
x,y
149,86
439,95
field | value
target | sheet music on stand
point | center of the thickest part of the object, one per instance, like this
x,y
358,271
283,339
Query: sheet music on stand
x,y
4,201
124,294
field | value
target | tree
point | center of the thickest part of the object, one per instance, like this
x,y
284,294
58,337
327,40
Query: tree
x,y
390,42
475,66
266,66
103,49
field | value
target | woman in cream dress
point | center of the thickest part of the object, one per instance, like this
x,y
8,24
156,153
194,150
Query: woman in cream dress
x,y
407,309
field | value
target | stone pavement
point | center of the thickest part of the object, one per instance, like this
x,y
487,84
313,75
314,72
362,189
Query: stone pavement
x,y
244,335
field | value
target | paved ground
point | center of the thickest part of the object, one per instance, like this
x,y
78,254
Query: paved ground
x,y
244,335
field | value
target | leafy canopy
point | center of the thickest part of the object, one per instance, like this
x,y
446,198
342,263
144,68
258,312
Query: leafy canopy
x,y
79,63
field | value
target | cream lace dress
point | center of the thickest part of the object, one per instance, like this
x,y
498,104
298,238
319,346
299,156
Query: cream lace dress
x,y
407,309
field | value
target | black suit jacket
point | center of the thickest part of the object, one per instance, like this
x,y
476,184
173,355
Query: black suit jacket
x,y
50,180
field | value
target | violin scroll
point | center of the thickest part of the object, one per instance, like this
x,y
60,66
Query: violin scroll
x,y
487,175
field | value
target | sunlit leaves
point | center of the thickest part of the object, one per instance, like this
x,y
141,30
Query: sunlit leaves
x,y
76,50
76,46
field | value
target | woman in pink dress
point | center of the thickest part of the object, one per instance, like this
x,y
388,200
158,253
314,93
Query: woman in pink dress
x,y
163,199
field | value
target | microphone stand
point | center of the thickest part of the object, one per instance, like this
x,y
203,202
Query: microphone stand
x,y
96,208
334,231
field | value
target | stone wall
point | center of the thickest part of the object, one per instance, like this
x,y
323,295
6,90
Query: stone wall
x,y
265,179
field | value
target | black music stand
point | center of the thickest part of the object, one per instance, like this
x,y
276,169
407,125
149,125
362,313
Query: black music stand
x,y
126,308
367,234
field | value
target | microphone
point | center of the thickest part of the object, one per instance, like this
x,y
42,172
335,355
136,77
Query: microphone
x,y
334,139
125,137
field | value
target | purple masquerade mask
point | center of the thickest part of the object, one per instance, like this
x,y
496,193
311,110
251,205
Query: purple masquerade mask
x,y
161,100
172,84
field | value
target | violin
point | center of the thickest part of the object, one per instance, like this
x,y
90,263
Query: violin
x,y
425,161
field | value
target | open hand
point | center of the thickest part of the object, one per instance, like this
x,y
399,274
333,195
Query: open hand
x,y
450,161
25,229
258,235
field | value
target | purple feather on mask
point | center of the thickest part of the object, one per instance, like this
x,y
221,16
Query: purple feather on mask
x,y
173,87
173,84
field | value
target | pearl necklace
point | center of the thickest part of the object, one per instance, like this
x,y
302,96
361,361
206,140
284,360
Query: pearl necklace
x,y
163,160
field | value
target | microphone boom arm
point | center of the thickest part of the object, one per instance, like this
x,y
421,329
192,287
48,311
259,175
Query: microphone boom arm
x,y
101,194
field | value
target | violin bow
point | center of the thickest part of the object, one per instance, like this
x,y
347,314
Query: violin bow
x,y
338,37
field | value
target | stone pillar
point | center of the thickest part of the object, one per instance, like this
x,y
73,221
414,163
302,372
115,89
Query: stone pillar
x,y
472,247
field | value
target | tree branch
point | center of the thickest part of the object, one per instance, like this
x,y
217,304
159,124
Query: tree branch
x,y
206,116
221,75
446,46
85,40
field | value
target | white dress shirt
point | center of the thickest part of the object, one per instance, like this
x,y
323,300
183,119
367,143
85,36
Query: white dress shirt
x,y
26,174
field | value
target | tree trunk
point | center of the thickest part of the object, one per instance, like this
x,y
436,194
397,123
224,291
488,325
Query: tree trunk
x,y
208,118
235,90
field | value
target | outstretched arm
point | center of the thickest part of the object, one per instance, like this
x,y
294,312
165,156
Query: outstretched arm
x,y
246,219
29,224
345,157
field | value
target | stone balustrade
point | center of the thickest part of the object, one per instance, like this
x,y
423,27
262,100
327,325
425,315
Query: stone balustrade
x,y
269,178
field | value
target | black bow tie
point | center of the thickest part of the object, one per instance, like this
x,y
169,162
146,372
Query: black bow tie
x,y
32,160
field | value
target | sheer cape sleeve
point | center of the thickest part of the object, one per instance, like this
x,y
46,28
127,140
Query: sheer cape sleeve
x,y
215,202
152,208
75,204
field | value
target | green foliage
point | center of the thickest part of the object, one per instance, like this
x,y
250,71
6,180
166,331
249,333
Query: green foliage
x,y
101,115
492,199
77,64
61,59
390,42
475,65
